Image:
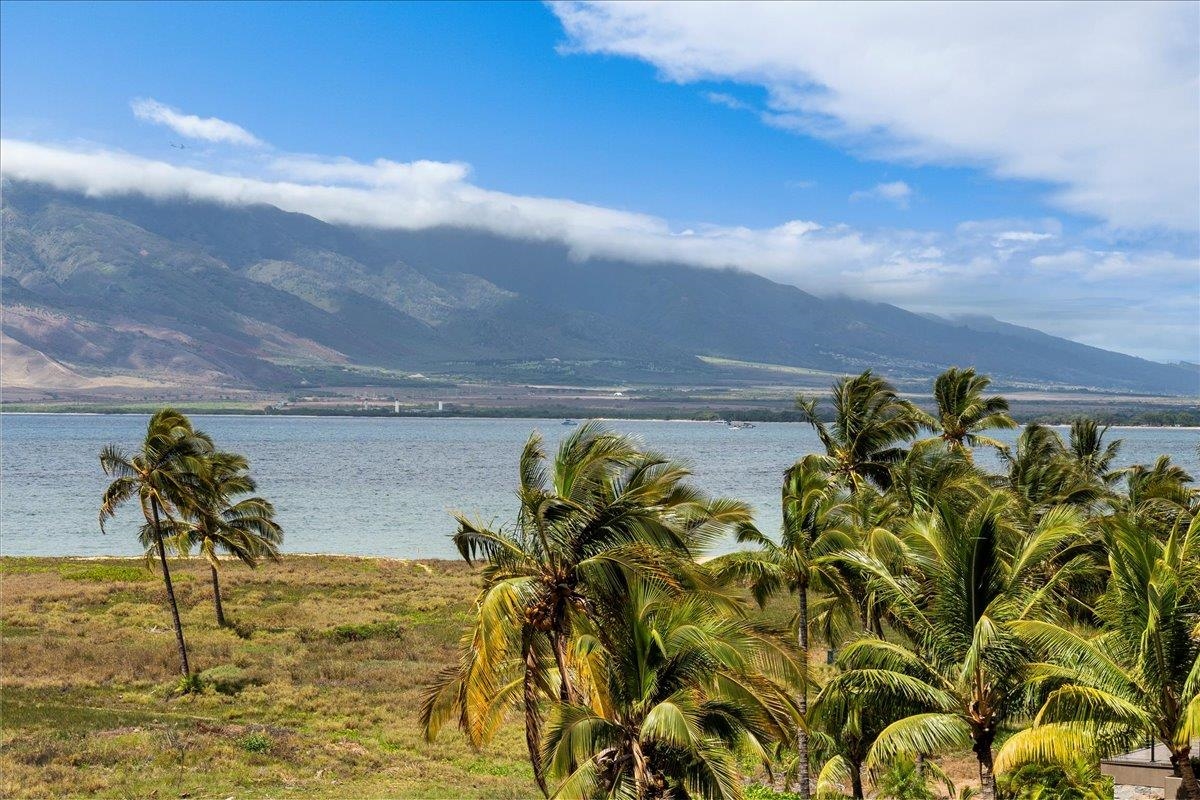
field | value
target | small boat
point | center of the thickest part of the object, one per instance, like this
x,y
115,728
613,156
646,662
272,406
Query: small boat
x,y
570,423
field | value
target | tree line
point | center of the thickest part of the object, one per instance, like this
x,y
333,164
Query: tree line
x,y
1040,616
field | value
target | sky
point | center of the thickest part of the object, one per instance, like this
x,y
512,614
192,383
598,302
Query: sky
x,y
1039,163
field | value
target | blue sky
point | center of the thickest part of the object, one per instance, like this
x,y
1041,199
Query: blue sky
x,y
862,159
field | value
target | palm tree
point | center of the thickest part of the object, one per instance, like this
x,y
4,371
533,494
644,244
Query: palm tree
x,y
164,476
681,688
814,529
1157,496
1091,456
963,413
844,729
1041,474
1142,672
604,512
971,578
870,421
217,521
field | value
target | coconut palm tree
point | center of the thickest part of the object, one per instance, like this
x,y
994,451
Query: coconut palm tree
x,y
603,512
681,689
870,422
1042,475
164,476
1142,672
970,579
1157,496
963,413
1091,456
814,529
844,728
218,522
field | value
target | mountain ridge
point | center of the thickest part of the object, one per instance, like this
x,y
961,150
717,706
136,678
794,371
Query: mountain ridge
x,y
253,296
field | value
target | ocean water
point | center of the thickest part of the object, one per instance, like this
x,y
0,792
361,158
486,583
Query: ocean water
x,y
386,487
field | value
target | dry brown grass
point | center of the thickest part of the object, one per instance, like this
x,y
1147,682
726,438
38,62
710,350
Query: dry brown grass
x,y
88,667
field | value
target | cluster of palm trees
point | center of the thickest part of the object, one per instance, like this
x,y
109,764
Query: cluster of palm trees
x,y
1027,615
193,497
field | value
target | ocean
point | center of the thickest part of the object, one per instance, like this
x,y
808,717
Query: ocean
x,y
386,486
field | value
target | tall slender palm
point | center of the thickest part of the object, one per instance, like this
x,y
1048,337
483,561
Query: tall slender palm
x,y
1142,672
1091,456
971,578
681,689
870,423
814,529
604,512
217,521
164,476
963,413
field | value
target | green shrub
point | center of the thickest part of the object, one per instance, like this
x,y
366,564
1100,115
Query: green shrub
x,y
366,631
189,684
756,791
906,780
243,630
227,679
1080,780
255,742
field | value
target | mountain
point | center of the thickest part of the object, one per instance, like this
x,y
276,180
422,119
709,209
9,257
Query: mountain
x,y
199,293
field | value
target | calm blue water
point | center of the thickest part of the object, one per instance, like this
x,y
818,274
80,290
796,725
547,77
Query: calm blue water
x,y
385,486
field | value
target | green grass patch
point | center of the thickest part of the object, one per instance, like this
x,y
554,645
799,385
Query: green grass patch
x,y
105,573
365,632
255,742
13,565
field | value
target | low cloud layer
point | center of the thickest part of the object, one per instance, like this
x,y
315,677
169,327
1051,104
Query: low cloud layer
x,y
1023,271
208,129
1099,100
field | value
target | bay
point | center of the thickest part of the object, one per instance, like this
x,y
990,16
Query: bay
x,y
386,486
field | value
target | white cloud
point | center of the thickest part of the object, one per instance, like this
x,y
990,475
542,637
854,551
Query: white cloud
x,y
210,129
1100,100
896,192
1002,267
727,100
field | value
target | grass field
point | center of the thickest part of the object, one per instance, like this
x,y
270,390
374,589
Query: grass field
x,y
315,694
319,699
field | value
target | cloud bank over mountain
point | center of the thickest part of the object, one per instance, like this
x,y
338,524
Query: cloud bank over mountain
x,y
1087,287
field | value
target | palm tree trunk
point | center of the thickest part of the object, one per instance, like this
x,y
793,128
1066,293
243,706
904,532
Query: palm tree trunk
x,y
987,773
802,732
1189,789
184,667
856,783
217,597
566,690
533,724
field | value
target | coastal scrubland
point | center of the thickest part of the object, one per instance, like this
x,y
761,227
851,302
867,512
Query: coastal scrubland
x,y
313,692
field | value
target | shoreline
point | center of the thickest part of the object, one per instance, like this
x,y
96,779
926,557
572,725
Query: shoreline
x,y
747,415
